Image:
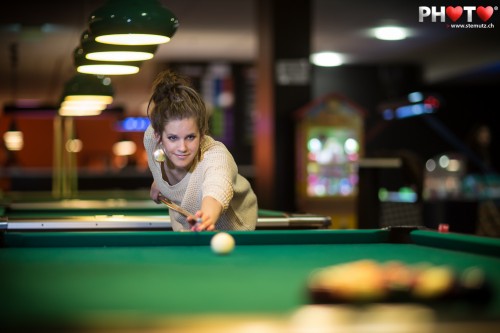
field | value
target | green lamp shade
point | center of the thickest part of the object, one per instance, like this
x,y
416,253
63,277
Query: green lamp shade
x,y
118,53
88,85
86,95
133,22
88,66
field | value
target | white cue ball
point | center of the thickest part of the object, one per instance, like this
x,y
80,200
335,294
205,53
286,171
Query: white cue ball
x,y
222,243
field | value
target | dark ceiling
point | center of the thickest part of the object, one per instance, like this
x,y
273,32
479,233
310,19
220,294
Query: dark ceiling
x,y
226,30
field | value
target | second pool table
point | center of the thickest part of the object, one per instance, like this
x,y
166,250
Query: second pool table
x,y
121,213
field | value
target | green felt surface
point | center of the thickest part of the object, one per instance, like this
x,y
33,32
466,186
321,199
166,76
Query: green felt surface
x,y
149,274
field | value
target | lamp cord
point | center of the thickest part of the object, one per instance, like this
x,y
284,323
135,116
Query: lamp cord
x,y
14,60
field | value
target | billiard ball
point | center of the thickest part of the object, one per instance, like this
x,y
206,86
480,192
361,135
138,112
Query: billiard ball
x,y
434,282
399,280
474,286
353,282
443,227
222,243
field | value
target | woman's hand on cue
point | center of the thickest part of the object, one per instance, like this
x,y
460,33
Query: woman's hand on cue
x,y
154,193
208,215
201,221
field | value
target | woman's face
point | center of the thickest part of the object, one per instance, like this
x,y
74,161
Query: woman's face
x,y
181,142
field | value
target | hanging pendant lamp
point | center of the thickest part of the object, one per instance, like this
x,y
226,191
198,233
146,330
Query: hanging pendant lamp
x,y
13,138
109,52
85,95
133,22
88,66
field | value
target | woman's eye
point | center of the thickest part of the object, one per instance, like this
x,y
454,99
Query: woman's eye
x,y
171,138
191,137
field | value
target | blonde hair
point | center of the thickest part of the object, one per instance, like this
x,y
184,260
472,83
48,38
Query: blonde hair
x,y
173,98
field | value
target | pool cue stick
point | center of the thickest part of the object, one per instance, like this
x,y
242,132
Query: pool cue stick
x,y
176,207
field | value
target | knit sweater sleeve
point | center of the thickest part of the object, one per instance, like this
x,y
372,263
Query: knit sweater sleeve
x,y
220,172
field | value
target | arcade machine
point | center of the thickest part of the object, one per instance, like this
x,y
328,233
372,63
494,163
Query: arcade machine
x,y
329,144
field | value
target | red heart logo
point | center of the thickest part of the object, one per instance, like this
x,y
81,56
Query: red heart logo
x,y
454,13
484,13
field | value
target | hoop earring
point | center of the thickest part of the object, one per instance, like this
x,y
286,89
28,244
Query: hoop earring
x,y
159,155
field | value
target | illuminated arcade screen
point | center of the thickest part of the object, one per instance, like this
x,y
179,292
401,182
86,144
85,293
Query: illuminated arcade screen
x,y
332,161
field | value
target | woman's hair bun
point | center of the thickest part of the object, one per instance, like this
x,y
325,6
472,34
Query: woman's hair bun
x,y
167,85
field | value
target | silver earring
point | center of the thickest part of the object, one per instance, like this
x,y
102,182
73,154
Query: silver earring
x,y
159,155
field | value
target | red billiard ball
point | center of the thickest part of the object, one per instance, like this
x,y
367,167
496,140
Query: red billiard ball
x,y
443,227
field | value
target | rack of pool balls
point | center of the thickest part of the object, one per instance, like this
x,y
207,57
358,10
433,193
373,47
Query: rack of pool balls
x,y
365,281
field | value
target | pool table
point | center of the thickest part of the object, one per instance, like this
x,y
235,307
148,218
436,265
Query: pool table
x,y
152,280
123,213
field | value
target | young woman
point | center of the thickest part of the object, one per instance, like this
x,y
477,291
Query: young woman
x,y
189,167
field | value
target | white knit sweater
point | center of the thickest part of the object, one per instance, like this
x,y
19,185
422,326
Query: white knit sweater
x,y
215,174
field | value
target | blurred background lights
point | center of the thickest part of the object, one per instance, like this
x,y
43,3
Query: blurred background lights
x,y
390,33
13,140
351,146
345,187
415,97
388,114
430,165
314,145
226,99
74,145
454,165
124,148
326,59
444,161
319,190
134,124
403,194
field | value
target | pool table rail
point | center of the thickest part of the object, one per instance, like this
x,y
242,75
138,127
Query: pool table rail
x,y
149,222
